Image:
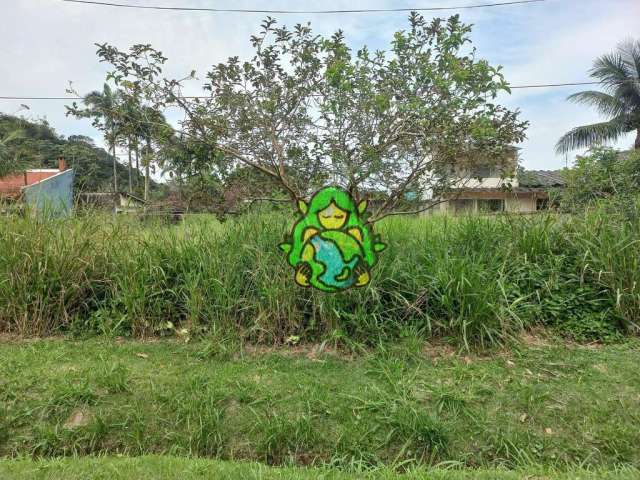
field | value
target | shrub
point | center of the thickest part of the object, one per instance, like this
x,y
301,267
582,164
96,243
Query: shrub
x,y
478,281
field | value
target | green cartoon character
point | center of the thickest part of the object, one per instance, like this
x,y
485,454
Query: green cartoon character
x,y
331,248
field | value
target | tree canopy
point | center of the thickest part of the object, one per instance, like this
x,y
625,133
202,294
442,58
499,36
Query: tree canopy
x,y
603,176
307,110
619,75
35,144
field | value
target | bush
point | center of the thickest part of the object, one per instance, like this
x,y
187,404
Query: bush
x,y
478,281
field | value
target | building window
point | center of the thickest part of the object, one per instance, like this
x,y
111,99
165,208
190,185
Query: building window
x,y
483,172
491,205
542,204
462,205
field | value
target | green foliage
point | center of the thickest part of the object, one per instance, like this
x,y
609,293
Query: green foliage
x,y
285,439
151,467
619,75
604,178
305,110
556,406
38,146
477,281
9,159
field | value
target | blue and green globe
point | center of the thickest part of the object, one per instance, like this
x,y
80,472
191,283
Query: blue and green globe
x,y
333,256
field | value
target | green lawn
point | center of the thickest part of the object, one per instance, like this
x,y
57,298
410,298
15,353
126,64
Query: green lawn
x,y
154,468
539,409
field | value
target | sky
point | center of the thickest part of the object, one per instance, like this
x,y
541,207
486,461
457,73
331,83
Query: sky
x,y
49,43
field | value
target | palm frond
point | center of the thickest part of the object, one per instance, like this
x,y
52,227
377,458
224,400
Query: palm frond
x,y
11,136
618,73
605,103
595,134
611,70
630,51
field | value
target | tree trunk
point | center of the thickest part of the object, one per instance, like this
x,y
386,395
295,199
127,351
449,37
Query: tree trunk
x,y
137,164
130,167
147,169
637,144
115,166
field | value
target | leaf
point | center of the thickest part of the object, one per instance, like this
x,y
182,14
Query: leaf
x,y
379,247
362,206
303,207
285,247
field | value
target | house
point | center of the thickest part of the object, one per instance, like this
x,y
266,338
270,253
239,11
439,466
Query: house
x,y
11,186
116,202
491,190
41,189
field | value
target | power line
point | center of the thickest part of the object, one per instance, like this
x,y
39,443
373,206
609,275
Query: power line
x,y
243,10
545,85
513,87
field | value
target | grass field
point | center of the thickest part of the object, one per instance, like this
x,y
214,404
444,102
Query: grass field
x,y
542,407
243,375
156,467
478,282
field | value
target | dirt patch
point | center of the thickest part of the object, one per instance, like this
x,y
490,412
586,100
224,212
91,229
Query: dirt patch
x,y
16,338
78,418
312,351
536,337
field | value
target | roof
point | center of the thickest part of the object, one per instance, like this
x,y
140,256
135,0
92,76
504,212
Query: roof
x,y
131,195
504,189
11,185
528,181
106,198
541,179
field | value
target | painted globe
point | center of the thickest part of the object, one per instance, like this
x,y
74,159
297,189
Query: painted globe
x,y
333,256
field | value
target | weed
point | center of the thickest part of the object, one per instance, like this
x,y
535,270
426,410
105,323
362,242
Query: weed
x,y
286,439
476,281
113,377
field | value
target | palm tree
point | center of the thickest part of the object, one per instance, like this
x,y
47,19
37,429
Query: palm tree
x,y
619,74
103,107
152,125
131,111
8,158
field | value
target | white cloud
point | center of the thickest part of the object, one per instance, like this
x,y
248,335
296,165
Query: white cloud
x,y
51,42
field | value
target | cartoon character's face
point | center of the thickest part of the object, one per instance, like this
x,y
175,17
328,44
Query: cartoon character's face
x,y
332,217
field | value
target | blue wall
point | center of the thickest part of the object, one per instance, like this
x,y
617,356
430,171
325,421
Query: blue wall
x,y
52,196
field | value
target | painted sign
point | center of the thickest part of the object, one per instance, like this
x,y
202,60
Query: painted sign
x,y
331,248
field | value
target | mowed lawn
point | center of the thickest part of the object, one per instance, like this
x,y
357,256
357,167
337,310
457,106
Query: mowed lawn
x,y
166,467
192,410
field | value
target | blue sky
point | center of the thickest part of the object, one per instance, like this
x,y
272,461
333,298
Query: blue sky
x,y
51,43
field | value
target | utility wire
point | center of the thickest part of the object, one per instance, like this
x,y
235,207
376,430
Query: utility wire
x,y
513,87
244,10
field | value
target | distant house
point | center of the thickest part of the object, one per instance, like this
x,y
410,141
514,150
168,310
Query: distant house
x,y
41,189
490,190
116,202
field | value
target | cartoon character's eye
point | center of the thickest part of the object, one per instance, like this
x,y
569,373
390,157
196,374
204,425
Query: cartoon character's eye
x,y
338,216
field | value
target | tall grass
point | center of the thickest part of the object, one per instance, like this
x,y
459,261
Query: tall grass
x,y
477,280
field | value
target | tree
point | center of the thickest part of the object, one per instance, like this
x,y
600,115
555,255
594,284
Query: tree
x,y
604,175
619,75
306,110
9,160
39,146
130,110
103,108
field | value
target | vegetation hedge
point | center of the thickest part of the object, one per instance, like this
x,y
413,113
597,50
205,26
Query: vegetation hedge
x,y
475,280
